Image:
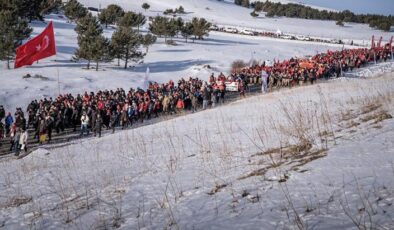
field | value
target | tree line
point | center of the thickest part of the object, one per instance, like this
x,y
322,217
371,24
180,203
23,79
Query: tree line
x,y
165,27
126,43
293,10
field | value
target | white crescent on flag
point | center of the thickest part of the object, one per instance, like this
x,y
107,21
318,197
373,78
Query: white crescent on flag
x,y
46,41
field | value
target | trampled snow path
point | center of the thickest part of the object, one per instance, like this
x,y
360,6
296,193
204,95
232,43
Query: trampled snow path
x,y
219,169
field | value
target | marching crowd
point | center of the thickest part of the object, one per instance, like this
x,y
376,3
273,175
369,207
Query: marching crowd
x,y
108,109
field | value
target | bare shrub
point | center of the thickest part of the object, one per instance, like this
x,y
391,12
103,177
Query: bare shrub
x,y
237,65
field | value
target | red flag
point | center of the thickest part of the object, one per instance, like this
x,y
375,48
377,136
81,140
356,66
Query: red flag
x,y
373,42
41,46
380,42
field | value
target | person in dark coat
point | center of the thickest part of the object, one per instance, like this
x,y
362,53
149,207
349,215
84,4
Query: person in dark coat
x,y
2,112
113,120
59,122
98,124
49,124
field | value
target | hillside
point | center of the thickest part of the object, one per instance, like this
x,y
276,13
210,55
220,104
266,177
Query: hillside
x,y
218,51
227,13
247,165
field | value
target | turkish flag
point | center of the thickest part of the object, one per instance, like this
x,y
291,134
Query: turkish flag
x,y
41,46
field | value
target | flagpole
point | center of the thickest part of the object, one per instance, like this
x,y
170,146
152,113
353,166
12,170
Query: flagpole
x,y
58,81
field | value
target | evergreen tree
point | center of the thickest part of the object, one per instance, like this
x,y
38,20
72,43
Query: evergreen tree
x,y
127,43
159,26
110,14
13,30
172,28
30,9
244,3
89,39
145,6
131,19
74,10
187,30
49,6
100,50
200,28
148,40
180,10
179,25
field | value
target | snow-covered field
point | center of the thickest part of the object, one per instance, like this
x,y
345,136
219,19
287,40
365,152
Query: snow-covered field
x,y
319,156
227,13
218,51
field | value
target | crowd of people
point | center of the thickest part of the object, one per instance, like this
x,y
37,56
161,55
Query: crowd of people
x,y
92,112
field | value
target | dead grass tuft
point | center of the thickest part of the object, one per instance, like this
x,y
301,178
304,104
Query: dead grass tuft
x,y
370,107
17,201
217,189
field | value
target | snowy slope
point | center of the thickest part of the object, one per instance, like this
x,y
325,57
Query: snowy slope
x,y
210,170
218,51
227,13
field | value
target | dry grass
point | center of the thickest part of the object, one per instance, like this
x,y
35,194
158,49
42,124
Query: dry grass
x,y
217,189
378,117
17,201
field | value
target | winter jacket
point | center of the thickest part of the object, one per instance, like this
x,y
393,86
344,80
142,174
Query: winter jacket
x,y
180,104
49,122
99,122
9,120
113,119
84,120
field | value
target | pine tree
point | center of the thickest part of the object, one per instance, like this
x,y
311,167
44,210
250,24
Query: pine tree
x,y
13,30
100,50
180,10
131,19
49,6
148,40
110,14
30,9
127,43
89,39
187,30
200,28
145,6
172,28
74,10
159,26
179,25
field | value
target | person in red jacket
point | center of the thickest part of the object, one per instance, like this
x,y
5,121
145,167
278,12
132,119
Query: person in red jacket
x,y
180,105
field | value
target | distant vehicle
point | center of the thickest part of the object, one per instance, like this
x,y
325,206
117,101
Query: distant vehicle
x,y
230,30
247,32
336,41
214,27
289,37
303,38
93,9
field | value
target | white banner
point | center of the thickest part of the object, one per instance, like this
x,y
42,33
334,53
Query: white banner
x,y
231,86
